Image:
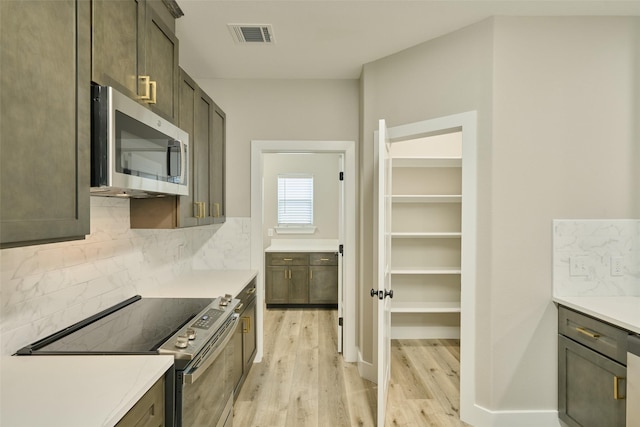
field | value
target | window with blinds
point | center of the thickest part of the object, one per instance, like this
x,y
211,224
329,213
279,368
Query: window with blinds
x,y
295,200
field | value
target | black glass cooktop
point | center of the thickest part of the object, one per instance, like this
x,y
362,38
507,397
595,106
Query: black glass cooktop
x,y
135,326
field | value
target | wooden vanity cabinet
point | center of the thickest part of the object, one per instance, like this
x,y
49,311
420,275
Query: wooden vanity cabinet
x,y
323,278
591,371
301,278
45,114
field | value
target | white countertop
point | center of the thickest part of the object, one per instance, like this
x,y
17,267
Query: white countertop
x,y
622,311
202,284
303,245
74,391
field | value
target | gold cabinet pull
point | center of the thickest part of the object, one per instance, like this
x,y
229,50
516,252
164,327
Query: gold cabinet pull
x,y
251,291
616,388
287,259
216,210
246,326
239,307
145,84
289,274
199,209
310,274
152,98
590,334
324,259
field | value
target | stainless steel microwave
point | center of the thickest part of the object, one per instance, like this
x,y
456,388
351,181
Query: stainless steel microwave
x,y
134,152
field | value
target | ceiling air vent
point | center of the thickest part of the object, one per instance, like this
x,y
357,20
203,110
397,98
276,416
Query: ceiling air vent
x,y
252,33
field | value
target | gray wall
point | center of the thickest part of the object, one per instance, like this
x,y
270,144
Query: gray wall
x,y
557,104
325,169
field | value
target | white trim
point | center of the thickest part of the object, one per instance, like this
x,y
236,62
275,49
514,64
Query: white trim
x,y
485,417
347,148
366,369
467,122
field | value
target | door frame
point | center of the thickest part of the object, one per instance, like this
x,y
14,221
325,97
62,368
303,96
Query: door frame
x,y
466,123
347,148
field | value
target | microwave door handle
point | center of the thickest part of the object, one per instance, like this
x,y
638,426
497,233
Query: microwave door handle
x,y
183,162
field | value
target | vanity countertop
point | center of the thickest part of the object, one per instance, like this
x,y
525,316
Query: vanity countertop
x,y
303,245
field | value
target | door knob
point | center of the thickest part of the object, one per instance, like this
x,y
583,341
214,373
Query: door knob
x,y
374,293
388,293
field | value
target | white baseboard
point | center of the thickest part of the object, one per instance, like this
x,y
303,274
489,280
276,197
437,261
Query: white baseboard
x,y
483,417
366,369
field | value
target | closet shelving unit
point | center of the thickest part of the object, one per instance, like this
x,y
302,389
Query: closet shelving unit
x,y
426,246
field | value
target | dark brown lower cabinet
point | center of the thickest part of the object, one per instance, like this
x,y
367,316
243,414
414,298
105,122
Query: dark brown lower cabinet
x,y
245,339
301,278
149,410
591,386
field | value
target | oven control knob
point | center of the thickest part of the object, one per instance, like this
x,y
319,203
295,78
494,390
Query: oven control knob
x,y
190,333
182,342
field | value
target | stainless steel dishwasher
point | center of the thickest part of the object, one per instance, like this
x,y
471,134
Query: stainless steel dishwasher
x,y
633,381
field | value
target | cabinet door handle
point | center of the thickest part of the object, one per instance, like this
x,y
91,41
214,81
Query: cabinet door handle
x,y
246,326
251,291
145,82
310,274
152,86
324,259
289,274
583,331
239,307
287,259
216,210
616,388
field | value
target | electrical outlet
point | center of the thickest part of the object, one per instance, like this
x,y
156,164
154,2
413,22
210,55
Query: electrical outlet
x,y
579,266
617,266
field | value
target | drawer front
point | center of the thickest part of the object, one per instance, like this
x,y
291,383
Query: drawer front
x,y
593,333
324,258
286,258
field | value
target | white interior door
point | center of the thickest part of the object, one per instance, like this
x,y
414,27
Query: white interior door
x,y
341,239
384,293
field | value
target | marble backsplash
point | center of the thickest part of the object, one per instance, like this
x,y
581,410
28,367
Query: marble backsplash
x,y
585,253
45,288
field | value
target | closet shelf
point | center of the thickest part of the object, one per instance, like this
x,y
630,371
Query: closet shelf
x,y
425,271
421,162
426,235
425,307
419,198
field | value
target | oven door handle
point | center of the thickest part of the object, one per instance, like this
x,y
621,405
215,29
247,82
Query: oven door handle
x,y
192,374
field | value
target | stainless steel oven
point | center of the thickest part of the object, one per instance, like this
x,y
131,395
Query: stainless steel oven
x,y
197,332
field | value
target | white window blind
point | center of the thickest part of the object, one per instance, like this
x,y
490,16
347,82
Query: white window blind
x,y
295,199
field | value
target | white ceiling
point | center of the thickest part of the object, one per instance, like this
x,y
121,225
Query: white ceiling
x,y
332,39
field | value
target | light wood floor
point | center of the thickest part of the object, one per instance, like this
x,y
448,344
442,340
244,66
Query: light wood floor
x,y
303,382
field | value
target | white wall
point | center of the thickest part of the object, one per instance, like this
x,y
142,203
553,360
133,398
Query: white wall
x,y
557,104
449,75
320,110
325,170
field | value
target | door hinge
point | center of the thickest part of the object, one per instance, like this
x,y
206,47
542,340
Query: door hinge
x,y
339,321
341,176
341,249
